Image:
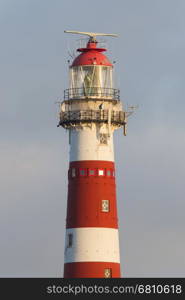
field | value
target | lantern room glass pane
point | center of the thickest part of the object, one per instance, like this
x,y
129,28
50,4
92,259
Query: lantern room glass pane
x,y
91,80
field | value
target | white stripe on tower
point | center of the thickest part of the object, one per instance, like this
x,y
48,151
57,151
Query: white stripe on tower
x,y
93,245
85,145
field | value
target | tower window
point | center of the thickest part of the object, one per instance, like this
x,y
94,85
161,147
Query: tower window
x,y
101,172
73,172
103,138
69,240
91,172
107,273
108,172
105,207
113,173
82,172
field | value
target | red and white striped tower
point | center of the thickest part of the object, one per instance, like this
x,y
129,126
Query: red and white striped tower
x,y
91,111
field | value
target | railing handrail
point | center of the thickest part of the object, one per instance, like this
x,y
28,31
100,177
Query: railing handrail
x,y
95,91
91,116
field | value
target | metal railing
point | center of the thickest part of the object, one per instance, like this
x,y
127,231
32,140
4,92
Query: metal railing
x,y
70,118
92,92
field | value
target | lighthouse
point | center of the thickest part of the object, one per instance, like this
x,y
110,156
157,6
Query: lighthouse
x,y
91,111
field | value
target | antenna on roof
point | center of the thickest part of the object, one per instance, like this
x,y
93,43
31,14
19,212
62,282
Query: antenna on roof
x,y
92,35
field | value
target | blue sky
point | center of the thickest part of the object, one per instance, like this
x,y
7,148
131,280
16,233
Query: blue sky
x,y
150,71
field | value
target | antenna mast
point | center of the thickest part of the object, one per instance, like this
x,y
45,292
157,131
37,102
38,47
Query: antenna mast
x,y
92,35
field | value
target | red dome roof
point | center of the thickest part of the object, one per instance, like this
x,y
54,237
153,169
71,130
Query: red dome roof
x,y
91,56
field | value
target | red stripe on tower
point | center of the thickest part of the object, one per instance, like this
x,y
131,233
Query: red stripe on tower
x,y
92,194
91,111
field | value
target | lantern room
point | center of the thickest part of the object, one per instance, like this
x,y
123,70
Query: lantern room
x,y
91,75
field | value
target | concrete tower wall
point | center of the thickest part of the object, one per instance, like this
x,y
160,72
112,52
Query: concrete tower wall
x,y
92,223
